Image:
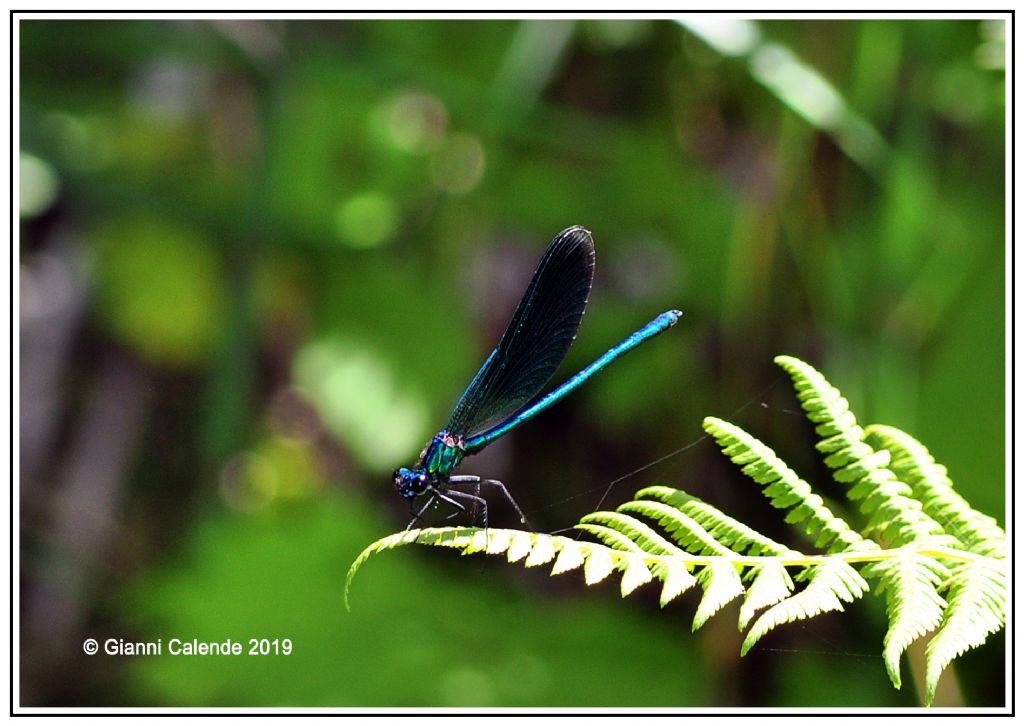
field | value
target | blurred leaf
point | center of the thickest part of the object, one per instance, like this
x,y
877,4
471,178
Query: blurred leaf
x,y
159,289
360,401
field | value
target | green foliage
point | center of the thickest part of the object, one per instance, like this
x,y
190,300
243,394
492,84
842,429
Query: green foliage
x,y
939,564
432,638
160,289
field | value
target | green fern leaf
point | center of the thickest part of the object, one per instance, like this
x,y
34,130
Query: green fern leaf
x,y
543,552
785,489
771,584
570,557
830,584
444,538
674,574
685,530
913,604
645,538
519,546
893,512
931,485
636,573
676,577
611,537
725,530
598,566
722,585
498,542
976,609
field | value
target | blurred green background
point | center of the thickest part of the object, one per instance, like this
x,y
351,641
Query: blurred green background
x,y
261,259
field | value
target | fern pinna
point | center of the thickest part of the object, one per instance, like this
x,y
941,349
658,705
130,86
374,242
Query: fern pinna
x,y
940,565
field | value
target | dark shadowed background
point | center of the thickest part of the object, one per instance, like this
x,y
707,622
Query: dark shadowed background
x,y
261,259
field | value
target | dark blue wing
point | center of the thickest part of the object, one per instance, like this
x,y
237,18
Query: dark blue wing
x,y
536,339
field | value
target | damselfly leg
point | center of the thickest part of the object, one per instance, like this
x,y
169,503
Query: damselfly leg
x,y
494,484
418,516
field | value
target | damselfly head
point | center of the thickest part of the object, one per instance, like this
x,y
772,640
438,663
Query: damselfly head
x,y
410,483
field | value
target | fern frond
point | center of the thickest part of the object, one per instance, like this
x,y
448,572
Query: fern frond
x,y
611,537
976,609
645,538
598,566
685,530
785,489
674,573
721,582
893,512
676,577
913,604
771,584
606,562
598,561
636,537
830,584
931,485
728,532
939,563
634,573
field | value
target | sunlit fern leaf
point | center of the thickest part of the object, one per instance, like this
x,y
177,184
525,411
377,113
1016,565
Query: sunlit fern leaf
x,y
542,553
674,572
721,583
830,584
569,558
611,537
931,485
785,489
771,584
884,498
479,542
498,542
646,538
727,531
635,573
396,540
913,604
519,546
685,530
676,577
598,566
976,608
